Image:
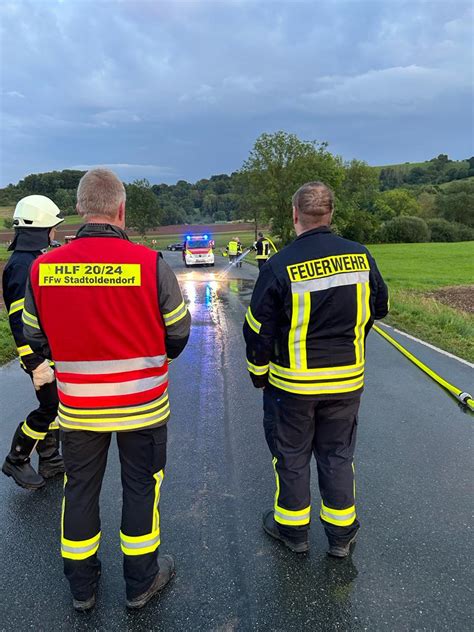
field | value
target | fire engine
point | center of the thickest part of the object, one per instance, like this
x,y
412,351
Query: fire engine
x,y
198,251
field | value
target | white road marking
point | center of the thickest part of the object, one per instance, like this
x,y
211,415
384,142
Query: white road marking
x,y
427,344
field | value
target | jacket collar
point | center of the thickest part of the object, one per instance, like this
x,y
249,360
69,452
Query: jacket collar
x,y
315,231
101,230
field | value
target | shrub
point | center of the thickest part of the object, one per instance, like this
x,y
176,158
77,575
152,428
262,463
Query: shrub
x,y
465,233
405,229
442,230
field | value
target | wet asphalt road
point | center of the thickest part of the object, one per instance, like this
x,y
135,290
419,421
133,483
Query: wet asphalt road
x,y
410,569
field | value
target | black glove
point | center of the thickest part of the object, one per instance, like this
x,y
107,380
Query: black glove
x,y
259,381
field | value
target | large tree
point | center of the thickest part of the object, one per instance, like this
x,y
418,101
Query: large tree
x,y
278,164
143,209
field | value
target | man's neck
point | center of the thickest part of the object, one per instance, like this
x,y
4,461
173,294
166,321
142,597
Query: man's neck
x,y
103,220
300,230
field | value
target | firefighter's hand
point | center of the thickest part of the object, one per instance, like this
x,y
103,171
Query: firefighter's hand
x,y
259,381
43,374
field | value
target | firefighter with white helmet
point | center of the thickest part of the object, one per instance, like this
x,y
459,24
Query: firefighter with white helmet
x,y
34,220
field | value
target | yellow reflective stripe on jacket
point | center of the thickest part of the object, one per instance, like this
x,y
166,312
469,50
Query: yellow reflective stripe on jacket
x,y
257,370
149,542
32,433
24,350
176,315
329,373
338,517
265,250
317,388
54,425
16,306
300,315
79,549
297,518
252,321
363,315
29,319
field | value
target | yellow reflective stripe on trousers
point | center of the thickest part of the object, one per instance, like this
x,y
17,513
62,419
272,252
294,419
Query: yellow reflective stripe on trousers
x,y
176,315
149,542
24,350
29,319
297,518
16,306
80,549
32,433
257,370
76,549
363,315
338,517
300,315
252,321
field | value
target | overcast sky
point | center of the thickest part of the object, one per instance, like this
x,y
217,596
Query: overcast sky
x,y
180,90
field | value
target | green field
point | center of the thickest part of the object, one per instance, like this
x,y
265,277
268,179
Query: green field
x,y
412,271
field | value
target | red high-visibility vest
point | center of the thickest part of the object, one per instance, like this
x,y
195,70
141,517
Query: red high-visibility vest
x,y
97,303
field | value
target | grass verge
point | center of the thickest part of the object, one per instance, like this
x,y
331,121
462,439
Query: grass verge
x,y
428,319
7,344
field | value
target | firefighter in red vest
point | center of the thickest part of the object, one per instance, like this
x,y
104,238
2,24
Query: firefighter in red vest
x,y
111,315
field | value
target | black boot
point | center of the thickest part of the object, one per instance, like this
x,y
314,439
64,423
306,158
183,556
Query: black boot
x,y
17,464
165,575
300,545
50,461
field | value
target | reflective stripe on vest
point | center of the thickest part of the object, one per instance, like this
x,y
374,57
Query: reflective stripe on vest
x,y
115,419
109,389
107,367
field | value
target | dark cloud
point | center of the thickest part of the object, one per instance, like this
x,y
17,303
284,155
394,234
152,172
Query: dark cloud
x,y
171,90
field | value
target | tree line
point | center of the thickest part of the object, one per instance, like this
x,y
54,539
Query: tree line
x,y
418,202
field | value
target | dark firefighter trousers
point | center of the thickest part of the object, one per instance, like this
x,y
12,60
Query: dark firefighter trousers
x,y
142,458
296,428
42,419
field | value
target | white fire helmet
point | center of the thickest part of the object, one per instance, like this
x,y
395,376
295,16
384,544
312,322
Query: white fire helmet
x,y
36,211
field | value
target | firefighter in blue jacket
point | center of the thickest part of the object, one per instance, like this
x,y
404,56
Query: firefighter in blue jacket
x,y
34,219
311,310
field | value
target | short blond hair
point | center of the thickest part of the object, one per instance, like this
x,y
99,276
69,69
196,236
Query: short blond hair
x,y
99,194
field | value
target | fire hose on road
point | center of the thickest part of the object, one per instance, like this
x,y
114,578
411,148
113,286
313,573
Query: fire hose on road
x,y
464,398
